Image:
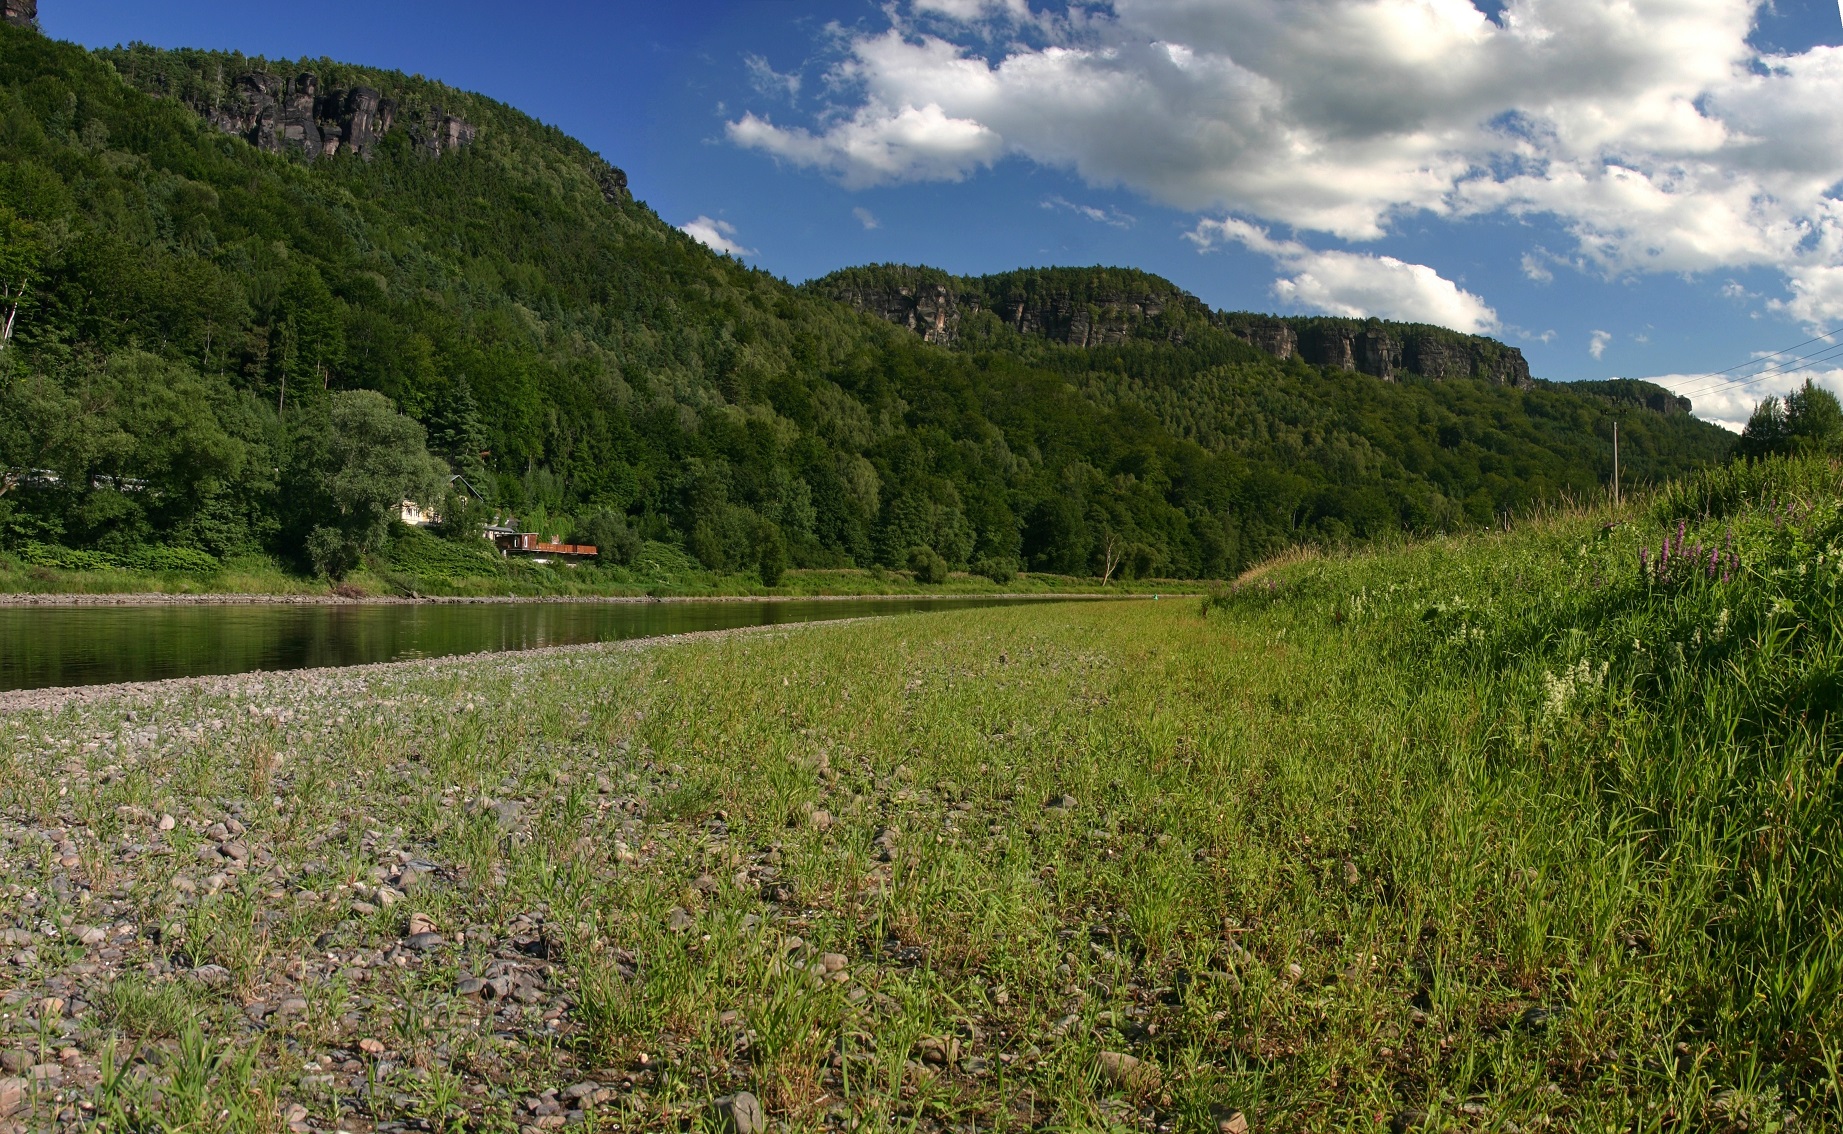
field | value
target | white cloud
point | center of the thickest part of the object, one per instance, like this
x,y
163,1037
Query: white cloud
x,y
878,145
1535,269
1355,285
717,235
866,218
1728,403
1113,217
1649,129
768,81
1596,344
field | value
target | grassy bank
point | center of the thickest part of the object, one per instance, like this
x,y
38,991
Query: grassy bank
x,y
1497,833
418,564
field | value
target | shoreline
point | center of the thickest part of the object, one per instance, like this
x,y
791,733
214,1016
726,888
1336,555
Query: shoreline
x,y
57,697
158,599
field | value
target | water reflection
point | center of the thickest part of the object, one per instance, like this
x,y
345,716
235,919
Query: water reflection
x,y
44,647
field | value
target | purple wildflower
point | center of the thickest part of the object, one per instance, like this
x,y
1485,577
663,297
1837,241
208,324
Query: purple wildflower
x,y
1644,560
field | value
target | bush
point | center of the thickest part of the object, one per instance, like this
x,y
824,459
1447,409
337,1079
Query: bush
x,y
771,557
156,558
615,543
997,569
927,565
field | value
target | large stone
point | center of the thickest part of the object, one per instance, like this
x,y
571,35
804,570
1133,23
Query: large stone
x,y
20,13
741,1113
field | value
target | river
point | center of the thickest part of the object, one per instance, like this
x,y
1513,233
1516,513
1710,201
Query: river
x,y
43,647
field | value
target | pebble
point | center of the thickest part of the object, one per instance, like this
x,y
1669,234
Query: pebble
x,y
1235,1122
1128,1073
424,942
678,921
167,823
1059,803
741,1113
12,1097
421,923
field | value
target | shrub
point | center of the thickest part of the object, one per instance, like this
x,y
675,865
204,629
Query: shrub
x,y
927,565
999,570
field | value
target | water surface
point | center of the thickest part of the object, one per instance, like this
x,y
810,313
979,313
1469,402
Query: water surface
x,y
50,646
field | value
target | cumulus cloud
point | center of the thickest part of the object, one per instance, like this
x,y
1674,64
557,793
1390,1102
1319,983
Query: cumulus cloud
x,y
866,218
1355,285
1597,341
1729,402
717,235
1650,129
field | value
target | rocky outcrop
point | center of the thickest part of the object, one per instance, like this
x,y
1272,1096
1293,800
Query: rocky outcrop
x,y
1091,307
930,310
20,13
613,183
1385,350
1084,308
297,116
1098,320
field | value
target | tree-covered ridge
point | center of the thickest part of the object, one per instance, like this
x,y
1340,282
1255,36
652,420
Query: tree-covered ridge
x,y
200,316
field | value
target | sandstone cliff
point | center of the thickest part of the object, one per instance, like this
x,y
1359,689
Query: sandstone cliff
x,y
1080,307
20,13
1088,307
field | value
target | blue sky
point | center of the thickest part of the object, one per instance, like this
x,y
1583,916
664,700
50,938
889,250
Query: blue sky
x,y
1646,190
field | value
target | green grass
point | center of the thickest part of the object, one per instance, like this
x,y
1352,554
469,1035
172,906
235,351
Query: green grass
x,y
418,564
1492,833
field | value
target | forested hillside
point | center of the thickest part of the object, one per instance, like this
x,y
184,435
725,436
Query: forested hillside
x,y
252,293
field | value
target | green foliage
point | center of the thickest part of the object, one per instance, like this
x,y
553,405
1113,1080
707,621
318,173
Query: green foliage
x,y
199,307
181,559
350,468
927,565
1808,421
999,570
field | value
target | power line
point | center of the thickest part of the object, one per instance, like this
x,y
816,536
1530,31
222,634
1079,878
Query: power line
x,y
1700,384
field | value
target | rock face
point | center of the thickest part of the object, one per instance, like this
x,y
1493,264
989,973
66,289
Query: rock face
x,y
613,183
1384,349
1075,308
296,116
930,310
1095,307
20,13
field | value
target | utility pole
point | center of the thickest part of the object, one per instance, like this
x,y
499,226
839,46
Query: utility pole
x,y
1616,497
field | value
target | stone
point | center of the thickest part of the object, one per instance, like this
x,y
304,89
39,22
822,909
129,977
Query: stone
x,y
370,1046
1059,803
1352,875
507,813
834,962
1128,1073
678,920
167,823
424,942
13,1062
12,1097
293,1006
1235,1122
211,976
938,1051
20,13
741,1113
363,909
421,923
705,884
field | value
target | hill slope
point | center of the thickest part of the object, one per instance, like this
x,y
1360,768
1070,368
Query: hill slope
x,y
219,248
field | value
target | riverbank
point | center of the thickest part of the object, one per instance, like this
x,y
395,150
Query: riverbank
x,y
1340,851
107,600
38,586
